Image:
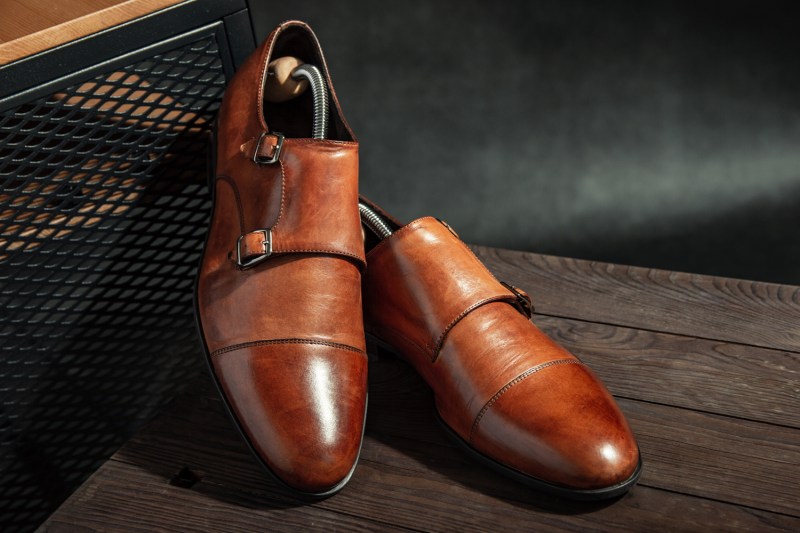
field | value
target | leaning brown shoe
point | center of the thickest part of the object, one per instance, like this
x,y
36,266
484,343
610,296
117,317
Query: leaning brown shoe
x,y
279,287
504,391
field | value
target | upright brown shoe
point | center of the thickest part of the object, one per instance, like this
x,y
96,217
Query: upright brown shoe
x,y
279,287
504,391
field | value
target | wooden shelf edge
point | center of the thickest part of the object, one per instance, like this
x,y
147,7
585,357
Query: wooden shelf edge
x,y
80,27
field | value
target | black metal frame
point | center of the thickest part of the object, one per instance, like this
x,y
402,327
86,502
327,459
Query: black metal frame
x,y
25,79
96,322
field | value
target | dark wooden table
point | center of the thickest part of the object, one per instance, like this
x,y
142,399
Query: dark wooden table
x,y
706,369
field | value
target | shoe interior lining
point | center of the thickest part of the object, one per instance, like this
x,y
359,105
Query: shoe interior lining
x,y
294,118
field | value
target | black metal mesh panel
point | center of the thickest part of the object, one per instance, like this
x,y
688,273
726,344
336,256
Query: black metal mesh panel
x,y
103,210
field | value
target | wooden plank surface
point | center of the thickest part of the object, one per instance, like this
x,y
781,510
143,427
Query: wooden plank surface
x,y
203,509
715,376
409,476
744,312
717,421
129,494
31,26
693,457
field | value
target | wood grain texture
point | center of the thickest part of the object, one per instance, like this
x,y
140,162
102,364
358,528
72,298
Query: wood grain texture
x,y
101,505
743,312
715,376
403,482
104,504
704,455
31,26
737,461
714,405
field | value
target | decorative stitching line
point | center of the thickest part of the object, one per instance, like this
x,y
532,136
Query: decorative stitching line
x,y
313,251
264,60
411,226
332,142
283,194
437,346
513,382
250,344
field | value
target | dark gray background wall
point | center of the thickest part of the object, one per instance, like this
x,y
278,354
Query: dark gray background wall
x,y
655,133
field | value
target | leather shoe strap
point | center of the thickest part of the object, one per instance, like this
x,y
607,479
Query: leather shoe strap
x,y
420,262
253,248
259,245
264,149
300,202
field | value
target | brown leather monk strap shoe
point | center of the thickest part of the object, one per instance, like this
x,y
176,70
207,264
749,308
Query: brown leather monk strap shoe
x,y
279,287
504,391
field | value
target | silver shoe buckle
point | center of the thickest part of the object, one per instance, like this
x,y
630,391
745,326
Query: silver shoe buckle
x,y
267,242
523,301
276,154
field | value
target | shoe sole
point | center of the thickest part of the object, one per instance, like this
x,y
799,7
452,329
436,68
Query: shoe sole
x,y
604,493
211,173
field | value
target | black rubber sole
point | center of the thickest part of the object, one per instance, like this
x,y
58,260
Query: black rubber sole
x,y
604,493
308,496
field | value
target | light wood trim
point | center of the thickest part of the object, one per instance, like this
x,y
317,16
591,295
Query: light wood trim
x,y
31,26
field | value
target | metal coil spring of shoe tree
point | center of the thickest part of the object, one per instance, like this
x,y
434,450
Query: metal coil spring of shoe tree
x,y
287,78
373,221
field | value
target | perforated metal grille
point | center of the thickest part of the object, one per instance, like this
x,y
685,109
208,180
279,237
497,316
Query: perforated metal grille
x,y
102,214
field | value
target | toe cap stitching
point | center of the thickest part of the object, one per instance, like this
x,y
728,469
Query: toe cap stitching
x,y
251,344
510,384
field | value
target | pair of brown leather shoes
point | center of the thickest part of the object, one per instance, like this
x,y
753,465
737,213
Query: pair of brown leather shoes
x,y
279,304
